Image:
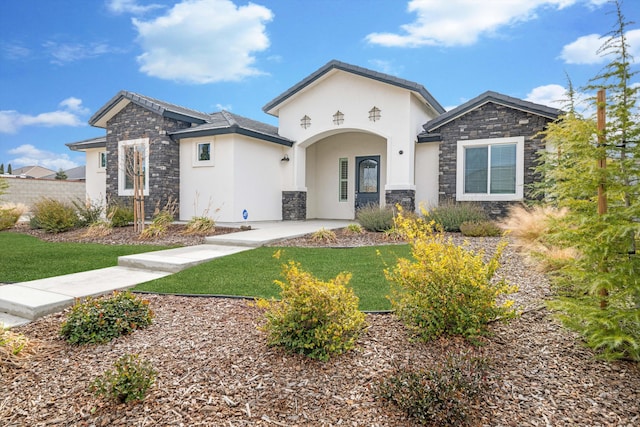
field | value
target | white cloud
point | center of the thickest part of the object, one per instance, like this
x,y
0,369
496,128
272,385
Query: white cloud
x,y
556,96
12,121
63,53
386,67
552,95
460,22
130,6
203,41
584,50
28,155
14,51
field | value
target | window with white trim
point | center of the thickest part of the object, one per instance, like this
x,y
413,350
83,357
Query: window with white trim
x,y
343,179
126,166
102,160
490,169
203,153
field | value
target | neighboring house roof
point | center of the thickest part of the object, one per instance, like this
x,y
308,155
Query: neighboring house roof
x,y
165,109
33,171
74,174
477,102
99,142
270,107
225,122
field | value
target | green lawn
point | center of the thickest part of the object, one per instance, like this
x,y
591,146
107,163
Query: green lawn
x,y
25,257
251,273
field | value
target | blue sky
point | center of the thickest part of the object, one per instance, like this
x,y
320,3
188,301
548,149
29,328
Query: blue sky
x,y
61,60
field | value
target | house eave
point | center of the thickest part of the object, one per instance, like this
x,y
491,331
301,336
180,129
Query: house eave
x,y
196,133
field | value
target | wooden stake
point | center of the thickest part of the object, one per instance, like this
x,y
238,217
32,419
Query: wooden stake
x,y
602,164
602,161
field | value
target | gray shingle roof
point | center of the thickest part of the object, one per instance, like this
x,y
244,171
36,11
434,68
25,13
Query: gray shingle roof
x,y
98,142
162,108
225,122
489,96
375,75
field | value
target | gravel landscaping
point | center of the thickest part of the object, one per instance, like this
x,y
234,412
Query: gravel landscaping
x,y
215,369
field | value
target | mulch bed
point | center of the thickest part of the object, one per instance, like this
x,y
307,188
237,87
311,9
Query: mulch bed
x,y
215,369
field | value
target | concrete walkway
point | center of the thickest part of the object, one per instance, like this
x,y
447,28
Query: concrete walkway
x,y
23,302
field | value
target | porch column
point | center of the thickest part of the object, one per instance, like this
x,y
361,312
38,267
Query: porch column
x,y
294,196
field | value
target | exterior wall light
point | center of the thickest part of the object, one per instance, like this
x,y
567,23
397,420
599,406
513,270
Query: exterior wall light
x,y
338,118
374,114
285,158
305,122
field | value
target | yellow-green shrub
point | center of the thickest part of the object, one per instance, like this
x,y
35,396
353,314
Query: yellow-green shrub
x,y
315,318
10,214
54,216
324,235
445,289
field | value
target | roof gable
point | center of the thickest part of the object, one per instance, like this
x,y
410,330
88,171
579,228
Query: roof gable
x,y
165,109
487,97
271,106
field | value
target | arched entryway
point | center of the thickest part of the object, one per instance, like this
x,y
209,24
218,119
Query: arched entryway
x,y
341,165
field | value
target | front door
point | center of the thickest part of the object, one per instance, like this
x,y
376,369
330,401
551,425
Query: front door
x,y
367,181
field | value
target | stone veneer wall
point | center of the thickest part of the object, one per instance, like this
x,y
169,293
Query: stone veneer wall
x,y
294,205
490,121
135,122
405,198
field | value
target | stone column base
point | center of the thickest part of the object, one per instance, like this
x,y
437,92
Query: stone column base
x,y
404,198
294,205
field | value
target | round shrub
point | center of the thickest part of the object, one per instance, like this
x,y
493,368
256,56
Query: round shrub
x,y
375,218
120,215
450,215
99,320
10,214
314,318
127,382
445,289
54,216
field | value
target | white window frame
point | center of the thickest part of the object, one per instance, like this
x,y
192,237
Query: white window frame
x,y
479,197
122,191
196,158
342,198
102,155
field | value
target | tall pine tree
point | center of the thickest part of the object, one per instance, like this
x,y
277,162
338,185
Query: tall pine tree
x,y
599,291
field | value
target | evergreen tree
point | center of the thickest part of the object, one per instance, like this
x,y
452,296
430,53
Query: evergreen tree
x,y
9,169
61,174
599,291
1,168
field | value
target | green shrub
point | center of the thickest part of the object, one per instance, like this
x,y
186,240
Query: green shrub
x,y
445,289
314,318
441,395
128,381
200,225
54,216
89,212
375,218
103,319
450,215
10,214
354,229
480,229
120,215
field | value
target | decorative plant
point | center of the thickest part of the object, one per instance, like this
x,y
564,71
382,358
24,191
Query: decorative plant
x,y
315,318
129,381
99,320
445,289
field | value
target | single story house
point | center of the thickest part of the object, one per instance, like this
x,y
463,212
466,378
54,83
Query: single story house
x,y
346,137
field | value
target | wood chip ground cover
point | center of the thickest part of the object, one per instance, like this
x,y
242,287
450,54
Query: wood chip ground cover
x,y
215,370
